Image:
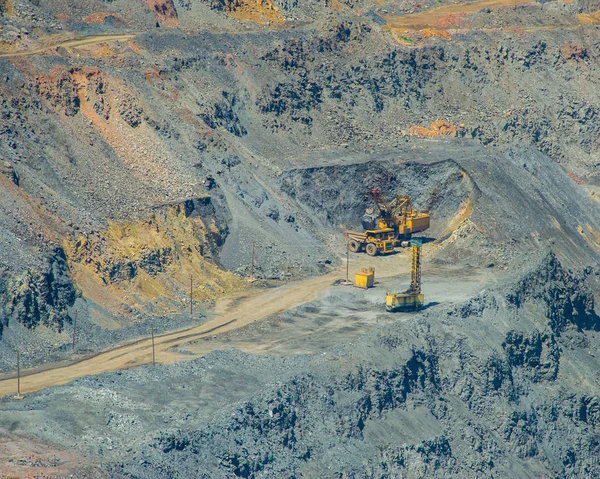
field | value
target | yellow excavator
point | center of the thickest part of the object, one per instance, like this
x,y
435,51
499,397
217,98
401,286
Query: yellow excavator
x,y
412,299
397,214
392,224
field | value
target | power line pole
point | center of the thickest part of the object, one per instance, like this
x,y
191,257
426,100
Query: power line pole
x,y
74,328
18,396
191,297
347,260
153,353
252,266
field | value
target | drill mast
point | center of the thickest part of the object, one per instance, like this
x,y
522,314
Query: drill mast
x,y
415,270
412,299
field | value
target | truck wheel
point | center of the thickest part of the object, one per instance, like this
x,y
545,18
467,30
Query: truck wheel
x,y
354,246
371,249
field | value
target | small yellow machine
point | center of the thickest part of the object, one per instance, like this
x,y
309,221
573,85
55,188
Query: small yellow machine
x,y
412,299
365,278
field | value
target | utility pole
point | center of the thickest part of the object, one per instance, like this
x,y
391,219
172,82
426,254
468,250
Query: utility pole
x,y
347,260
18,396
74,328
153,353
191,297
252,266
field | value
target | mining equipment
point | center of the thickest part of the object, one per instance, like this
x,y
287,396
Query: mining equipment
x,y
374,242
412,299
365,278
397,214
392,225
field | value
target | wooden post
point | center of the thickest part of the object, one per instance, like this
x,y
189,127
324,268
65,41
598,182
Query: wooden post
x,y
252,266
18,373
153,353
74,328
347,260
18,396
191,297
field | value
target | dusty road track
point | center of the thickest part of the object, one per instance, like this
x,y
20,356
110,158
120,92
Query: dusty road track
x,y
428,18
230,315
73,43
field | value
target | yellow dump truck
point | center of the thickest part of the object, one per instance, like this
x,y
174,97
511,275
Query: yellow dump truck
x,y
373,242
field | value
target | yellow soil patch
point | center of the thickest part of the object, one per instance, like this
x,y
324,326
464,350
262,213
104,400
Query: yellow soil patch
x,y
576,178
102,51
556,224
7,7
152,76
135,47
177,241
573,51
589,18
99,17
594,240
438,128
451,20
257,11
335,5
593,233
465,210
25,458
434,32
429,18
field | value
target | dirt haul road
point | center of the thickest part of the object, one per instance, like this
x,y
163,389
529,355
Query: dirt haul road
x,y
73,43
429,18
230,315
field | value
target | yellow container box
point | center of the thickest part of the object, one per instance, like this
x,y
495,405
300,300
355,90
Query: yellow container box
x,y
365,278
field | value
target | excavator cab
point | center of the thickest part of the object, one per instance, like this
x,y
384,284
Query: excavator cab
x,y
369,220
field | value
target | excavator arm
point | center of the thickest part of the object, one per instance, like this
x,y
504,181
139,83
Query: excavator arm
x,y
397,214
401,205
395,210
382,205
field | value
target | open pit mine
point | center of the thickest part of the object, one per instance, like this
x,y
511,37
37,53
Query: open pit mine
x,y
330,239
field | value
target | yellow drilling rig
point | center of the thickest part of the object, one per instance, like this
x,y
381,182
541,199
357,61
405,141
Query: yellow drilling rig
x,y
412,299
390,225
